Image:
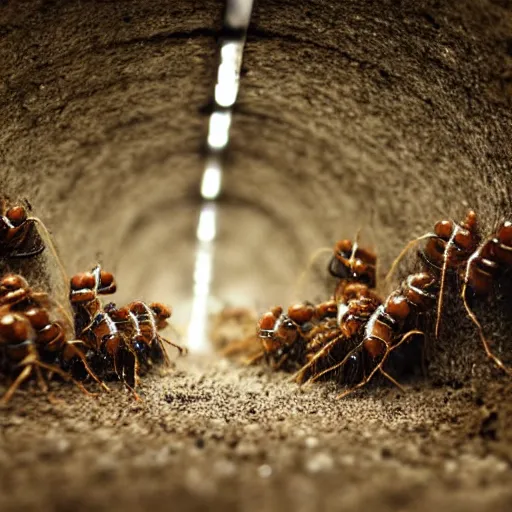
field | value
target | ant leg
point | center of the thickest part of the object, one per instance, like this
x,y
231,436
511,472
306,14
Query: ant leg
x,y
81,355
40,380
47,239
314,378
497,361
380,365
182,350
366,379
314,256
404,338
391,379
280,363
65,376
254,359
299,376
22,377
441,285
237,346
404,251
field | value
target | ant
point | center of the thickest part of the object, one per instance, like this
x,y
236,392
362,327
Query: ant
x,y
485,265
19,350
17,238
355,301
388,327
85,288
458,248
126,340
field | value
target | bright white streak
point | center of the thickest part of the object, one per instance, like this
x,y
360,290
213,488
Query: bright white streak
x,y
238,13
197,334
228,76
212,179
218,131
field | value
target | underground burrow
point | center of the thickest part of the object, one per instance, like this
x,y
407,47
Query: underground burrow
x,y
351,116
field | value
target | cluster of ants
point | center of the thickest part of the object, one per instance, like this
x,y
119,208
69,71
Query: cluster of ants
x,y
40,337
353,335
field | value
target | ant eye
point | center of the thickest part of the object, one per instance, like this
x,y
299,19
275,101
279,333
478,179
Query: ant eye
x,y
338,269
288,324
16,215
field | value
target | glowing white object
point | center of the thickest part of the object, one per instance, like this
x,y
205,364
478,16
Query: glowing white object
x,y
228,76
218,131
238,13
212,178
197,333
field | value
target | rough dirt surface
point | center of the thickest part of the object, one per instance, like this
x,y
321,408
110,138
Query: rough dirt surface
x,y
385,116
218,437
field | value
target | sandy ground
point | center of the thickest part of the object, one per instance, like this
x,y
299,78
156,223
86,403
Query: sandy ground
x,y
212,435
352,114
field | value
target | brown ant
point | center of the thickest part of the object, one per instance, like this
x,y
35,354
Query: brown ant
x,y
85,288
485,265
448,248
384,329
18,347
355,301
17,237
457,247
126,340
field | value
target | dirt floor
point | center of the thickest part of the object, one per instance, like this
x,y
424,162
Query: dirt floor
x,y
210,435
352,114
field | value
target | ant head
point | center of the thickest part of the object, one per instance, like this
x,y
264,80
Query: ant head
x,y
470,221
83,280
268,321
505,233
14,328
17,215
161,311
465,239
444,229
301,313
12,282
37,317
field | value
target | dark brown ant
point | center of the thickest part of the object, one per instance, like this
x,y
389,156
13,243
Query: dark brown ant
x,y
126,340
18,346
388,327
334,337
448,248
355,300
85,288
18,236
486,264
457,247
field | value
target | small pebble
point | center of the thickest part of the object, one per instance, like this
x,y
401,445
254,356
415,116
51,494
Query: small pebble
x,y
265,471
311,442
319,462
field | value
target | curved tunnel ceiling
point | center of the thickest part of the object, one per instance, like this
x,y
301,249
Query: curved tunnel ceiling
x,y
350,115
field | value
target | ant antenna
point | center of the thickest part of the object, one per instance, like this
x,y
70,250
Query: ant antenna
x,y
47,239
404,251
474,319
315,255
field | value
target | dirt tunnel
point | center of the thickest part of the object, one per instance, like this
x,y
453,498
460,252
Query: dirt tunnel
x,y
351,116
